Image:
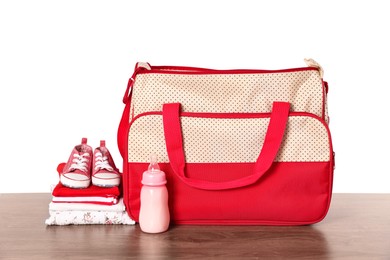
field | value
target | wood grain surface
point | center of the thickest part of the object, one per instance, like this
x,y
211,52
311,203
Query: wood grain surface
x,y
357,227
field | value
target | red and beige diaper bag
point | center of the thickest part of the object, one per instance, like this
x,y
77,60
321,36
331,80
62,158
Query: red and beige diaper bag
x,y
239,147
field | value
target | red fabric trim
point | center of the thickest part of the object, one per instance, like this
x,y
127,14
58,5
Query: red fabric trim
x,y
181,68
128,89
125,175
123,128
228,115
196,71
326,86
131,81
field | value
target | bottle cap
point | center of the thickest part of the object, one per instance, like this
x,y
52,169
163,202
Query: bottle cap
x,y
153,176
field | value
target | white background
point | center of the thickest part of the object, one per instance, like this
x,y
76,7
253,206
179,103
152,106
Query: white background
x,y
64,67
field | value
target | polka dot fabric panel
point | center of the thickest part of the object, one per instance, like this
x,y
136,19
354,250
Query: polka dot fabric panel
x,y
229,93
232,140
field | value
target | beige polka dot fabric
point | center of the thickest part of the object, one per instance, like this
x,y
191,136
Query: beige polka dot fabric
x,y
218,140
229,140
229,93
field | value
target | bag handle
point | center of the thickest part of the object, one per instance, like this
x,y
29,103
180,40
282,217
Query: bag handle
x,y
272,142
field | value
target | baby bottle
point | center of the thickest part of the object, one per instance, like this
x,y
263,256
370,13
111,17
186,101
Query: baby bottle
x,y
154,213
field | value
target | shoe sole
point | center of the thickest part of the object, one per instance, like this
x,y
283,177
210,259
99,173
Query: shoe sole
x,y
74,184
105,183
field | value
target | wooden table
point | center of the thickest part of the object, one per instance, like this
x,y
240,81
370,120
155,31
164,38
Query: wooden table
x,y
357,227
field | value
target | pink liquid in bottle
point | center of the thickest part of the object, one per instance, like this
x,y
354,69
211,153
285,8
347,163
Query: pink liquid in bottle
x,y
154,213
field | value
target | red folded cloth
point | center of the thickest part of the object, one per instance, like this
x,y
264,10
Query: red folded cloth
x,y
92,194
92,191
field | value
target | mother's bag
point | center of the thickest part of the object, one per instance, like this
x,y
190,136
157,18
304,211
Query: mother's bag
x,y
239,147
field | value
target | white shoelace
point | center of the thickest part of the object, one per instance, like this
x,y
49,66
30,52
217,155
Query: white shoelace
x,y
80,162
101,162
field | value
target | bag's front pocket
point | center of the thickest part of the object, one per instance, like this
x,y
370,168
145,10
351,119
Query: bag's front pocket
x,y
224,148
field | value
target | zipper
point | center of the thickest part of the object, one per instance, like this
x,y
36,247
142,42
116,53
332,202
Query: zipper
x,y
229,116
146,68
311,65
203,71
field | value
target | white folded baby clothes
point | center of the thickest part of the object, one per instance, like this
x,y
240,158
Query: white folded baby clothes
x,y
84,213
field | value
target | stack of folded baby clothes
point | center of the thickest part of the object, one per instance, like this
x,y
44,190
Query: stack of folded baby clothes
x,y
93,194
76,201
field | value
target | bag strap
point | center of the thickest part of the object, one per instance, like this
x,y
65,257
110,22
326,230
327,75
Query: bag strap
x,y
272,142
124,123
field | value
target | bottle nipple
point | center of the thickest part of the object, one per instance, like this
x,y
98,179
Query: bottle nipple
x,y
153,166
153,176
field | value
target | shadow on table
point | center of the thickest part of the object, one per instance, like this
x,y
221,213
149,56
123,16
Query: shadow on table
x,y
192,242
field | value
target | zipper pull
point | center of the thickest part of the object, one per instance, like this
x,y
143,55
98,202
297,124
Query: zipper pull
x,y
314,64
